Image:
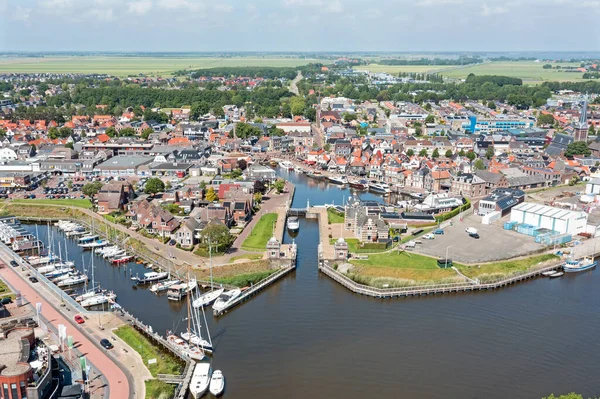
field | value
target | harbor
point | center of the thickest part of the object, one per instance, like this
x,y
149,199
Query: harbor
x,y
301,315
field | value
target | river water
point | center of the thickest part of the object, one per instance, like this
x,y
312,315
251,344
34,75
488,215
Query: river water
x,y
308,337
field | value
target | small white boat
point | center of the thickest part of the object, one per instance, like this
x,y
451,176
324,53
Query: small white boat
x,y
200,380
379,188
217,383
207,298
557,274
73,280
163,286
226,298
338,180
98,300
549,273
150,277
293,224
94,244
287,165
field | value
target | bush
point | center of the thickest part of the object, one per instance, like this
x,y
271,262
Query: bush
x,y
449,215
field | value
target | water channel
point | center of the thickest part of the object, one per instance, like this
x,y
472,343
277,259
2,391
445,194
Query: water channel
x,y
307,337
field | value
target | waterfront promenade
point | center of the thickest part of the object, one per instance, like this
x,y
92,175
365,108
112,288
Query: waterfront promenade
x,y
119,384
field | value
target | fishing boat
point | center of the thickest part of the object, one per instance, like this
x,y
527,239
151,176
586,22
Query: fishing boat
x,y
217,383
150,277
579,265
379,188
200,380
177,292
358,184
338,180
163,286
225,299
287,165
122,259
293,224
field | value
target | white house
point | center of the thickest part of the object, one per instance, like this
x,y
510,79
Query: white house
x,y
7,154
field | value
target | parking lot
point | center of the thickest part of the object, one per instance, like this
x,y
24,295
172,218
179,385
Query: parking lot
x,y
494,243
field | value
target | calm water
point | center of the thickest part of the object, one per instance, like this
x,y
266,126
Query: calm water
x,y
307,337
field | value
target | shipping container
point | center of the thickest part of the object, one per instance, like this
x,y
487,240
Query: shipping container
x,y
510,225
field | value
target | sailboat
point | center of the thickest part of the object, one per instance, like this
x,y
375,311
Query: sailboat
x,y
208,297
193,335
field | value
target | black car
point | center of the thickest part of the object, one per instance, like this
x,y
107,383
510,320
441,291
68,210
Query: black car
x,y
474,235
5,301
106,343
14,263
33,279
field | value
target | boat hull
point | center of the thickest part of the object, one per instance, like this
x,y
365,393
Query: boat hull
x,y
580,268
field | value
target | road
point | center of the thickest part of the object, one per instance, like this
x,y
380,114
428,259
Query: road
x,y
118,384
294,84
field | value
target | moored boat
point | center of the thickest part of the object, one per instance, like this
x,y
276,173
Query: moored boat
x,y
287,165
579,265
163,286
338,180
150,277
557,274
358,184
293,224
200,380
207,298
217,383
379,188
226,298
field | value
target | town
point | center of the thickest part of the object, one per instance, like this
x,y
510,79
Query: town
x,y
206,181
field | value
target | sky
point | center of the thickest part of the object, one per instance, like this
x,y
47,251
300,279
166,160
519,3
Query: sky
x,y
299,25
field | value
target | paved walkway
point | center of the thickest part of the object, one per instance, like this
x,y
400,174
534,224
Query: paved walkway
x,y
118,384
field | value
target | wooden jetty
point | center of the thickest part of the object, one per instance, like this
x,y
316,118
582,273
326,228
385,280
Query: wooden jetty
x,y
256,289
431,289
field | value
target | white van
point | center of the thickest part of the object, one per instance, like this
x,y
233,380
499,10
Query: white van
x,y
471,230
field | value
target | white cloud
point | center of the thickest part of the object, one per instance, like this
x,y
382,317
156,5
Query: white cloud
x,y
487,11
140,7
22,14
330,6
225,8
183,5
434,3
335,6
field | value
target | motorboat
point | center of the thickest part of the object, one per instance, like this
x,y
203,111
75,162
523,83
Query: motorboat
x,y
150,277
177,292
94,244
122,259
200,380
163,286
88,237
338,180
557,274
207,298
99,299
549,273
579,265
359,184
293,224
217,383
226,298
379,188
287,165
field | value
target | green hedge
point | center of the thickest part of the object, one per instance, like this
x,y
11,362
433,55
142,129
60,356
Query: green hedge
x,y
451,214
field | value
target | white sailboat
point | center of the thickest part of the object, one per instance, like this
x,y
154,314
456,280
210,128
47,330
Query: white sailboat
x,y
193,335
200,380
208,297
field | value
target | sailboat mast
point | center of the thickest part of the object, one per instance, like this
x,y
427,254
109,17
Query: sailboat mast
x,y
210,258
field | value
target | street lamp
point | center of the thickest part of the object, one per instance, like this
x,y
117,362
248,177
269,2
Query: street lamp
x,y
446,260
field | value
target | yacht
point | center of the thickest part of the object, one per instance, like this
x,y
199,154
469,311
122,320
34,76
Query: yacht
x,y
73,280
150,277
99,299
94,244
293,224
207,298
177,292
338,180
579,265
379,188
185,348
200,380
122,259
217,383
359,184
226,298
163,286
287,165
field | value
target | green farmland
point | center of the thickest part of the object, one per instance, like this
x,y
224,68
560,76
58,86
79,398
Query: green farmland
x,y
124,66
531,72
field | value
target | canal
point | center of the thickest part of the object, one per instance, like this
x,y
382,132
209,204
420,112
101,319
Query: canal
x,y
307,337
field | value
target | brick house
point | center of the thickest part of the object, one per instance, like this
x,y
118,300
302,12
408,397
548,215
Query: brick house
x,y
113,197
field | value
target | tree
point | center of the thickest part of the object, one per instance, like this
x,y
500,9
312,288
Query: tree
x,y
257,198
577,148
545,120
448,153
571,395
297,105
53,133
236,173
69,184
127,132
154,185
279,185
592,130
217,236
479,164
423,152
427,107
436,154
430,119
111,132
211,196
91,189
547,66
202,185
410,152
65,132
491,105
327,147
69,145
242,164
418,131
489,153
471,156
573,180
259,187
461,152
147,132
349,117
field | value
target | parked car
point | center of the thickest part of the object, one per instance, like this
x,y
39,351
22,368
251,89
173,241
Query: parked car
x,y
438,231
14,263
6,300
429,236
33,279
79,320
474,235
106,343
471,230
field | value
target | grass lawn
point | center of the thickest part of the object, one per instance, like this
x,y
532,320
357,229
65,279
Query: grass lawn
x,y
4,290
531,72
79,203
260,234
493,271
156,389
353,246
244,280
166,363
334,216
400,269
124,66
248,257
238,274
395,69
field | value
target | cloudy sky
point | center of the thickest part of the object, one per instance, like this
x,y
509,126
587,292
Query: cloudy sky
x,y
299,25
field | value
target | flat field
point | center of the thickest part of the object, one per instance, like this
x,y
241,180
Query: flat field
x,y
531,72
124,66
395,69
